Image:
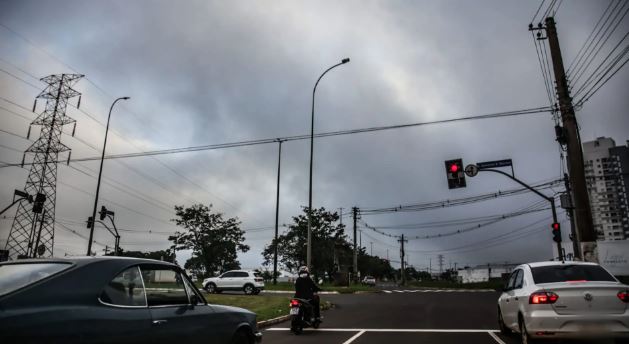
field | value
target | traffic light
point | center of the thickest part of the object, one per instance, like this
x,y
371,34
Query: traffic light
x,y
104,212
38,205
556,232
455,174
90,220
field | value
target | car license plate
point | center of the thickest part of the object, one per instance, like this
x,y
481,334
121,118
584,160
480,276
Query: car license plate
x,y
294,311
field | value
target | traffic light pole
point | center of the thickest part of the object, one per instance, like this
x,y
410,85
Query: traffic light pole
x,y
549,199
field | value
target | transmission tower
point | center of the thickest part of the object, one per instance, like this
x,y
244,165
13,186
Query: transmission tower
x,y
33,232
440,259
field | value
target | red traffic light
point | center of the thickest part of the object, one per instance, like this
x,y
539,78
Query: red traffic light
x,y
556,226
454,168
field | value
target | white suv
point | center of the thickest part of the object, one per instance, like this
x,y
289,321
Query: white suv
x,y
250,282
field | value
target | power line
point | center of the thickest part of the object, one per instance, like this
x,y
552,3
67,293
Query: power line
x,y
596,40
458,201
172,170
529,111
579,56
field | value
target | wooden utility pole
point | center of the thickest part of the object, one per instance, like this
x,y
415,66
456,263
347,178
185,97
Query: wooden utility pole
x,y
582,210
402,265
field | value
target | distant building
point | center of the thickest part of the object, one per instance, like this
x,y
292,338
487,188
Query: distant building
x,y
484,273
607,177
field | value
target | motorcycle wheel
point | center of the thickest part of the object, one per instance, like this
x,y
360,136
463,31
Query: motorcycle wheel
x,y
295,326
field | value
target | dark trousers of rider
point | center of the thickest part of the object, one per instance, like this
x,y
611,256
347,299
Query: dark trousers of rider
x,y
316,307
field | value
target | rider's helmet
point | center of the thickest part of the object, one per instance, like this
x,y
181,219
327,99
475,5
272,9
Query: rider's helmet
x,y
303,271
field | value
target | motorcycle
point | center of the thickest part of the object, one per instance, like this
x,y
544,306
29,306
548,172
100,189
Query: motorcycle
x,y
302,315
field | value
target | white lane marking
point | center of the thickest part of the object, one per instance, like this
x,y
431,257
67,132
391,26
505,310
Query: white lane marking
x,y
399,291
496,338
354,337
421,330
387,291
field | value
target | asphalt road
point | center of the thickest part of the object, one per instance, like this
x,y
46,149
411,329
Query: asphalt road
x,y
441,317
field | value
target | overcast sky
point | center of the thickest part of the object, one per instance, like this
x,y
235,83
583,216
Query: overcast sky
x,y
205,72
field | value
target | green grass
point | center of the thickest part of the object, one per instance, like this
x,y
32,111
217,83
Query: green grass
x,y
265,306
287,286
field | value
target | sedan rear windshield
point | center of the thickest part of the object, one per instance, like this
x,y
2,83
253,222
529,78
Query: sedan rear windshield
x,y
570,273
16,276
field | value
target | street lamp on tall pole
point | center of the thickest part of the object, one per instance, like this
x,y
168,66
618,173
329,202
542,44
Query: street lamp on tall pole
x,y
100,173
277,210
309,248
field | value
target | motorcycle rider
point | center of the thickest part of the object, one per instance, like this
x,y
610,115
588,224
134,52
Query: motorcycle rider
x,y
305,288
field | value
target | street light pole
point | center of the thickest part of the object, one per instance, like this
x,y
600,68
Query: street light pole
x,y
309,248
100,173
277,210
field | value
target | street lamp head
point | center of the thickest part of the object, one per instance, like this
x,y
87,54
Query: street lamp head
x,y
126,98
345,60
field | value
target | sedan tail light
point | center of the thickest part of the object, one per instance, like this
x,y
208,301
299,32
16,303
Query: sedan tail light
x,y
294,303
543,297
624,296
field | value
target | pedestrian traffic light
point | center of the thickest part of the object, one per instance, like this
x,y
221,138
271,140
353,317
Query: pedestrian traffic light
x,y
38,205
90,220
556,232
455,174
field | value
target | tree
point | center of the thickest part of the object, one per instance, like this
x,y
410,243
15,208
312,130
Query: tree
x,y
214,240
374,266
166,255
292,245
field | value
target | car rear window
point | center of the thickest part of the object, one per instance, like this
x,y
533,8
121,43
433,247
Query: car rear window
x,y
16,276
567,273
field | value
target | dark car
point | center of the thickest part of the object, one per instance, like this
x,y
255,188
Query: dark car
x,y
112,300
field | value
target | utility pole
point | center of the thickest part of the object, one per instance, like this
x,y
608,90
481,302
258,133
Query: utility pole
x,y
583,212
277,209
371,251
340,215
355,215
440,259
402,265
570,211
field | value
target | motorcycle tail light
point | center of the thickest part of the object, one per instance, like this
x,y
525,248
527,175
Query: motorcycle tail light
x,y
294,303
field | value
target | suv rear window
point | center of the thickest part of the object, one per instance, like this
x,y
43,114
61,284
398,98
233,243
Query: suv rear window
x,y
16,276
567,273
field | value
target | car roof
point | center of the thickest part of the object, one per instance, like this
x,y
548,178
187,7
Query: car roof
x,y
86,260
556,263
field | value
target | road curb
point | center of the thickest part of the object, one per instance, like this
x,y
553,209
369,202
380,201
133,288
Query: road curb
x,y
267,323
292,292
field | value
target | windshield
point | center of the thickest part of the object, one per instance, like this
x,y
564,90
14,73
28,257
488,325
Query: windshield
x,y
570,273
16,276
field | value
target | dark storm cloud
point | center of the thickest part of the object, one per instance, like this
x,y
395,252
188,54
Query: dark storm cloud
x,y
211,72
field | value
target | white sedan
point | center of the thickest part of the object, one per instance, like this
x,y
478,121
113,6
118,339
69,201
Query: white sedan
x,y
563,300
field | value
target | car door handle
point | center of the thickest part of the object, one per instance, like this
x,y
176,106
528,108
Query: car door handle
x,y
159,322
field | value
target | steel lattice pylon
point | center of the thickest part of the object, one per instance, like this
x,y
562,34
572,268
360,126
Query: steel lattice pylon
x,y
32,234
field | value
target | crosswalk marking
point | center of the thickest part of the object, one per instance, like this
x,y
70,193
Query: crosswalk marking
x,y
438,291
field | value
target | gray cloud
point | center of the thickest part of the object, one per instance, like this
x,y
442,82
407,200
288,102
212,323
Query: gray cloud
x,y
205,72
